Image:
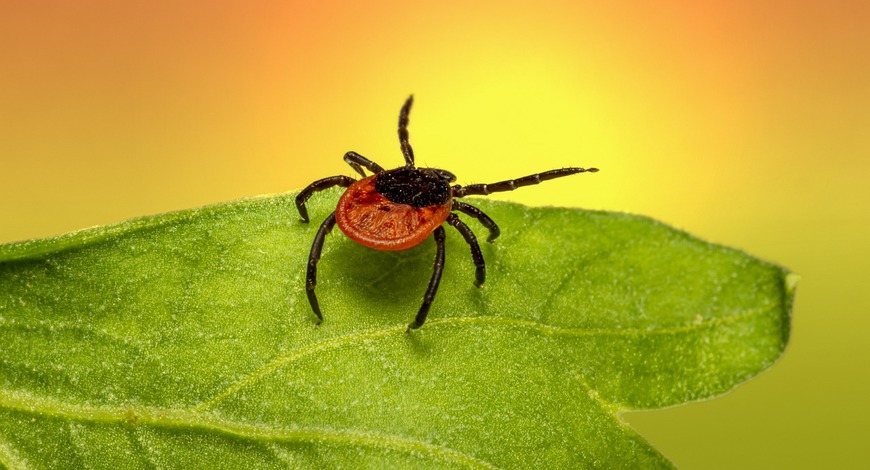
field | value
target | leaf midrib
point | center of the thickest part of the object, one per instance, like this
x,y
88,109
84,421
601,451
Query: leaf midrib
x,y
544,329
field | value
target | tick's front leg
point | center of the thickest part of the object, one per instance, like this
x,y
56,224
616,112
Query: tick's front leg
x,y
358,162
319,185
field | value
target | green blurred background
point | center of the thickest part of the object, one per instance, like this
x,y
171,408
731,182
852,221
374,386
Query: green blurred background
x,y
745,123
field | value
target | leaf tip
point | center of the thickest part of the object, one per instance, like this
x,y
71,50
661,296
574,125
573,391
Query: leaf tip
x,y
791,282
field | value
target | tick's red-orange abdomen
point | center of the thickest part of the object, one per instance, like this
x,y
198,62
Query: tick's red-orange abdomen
x,y
369,218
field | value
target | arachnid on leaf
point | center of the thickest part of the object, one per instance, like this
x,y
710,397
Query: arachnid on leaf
x,y
397,209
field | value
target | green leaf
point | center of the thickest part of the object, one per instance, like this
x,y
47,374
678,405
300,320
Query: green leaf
x,y
186,340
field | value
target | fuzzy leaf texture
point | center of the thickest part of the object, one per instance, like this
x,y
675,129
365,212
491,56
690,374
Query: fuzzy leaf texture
x,y
185,340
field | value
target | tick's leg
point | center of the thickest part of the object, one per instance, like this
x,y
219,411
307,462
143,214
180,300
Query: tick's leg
x,y
433,283
479,215
357,162
319,185
476,255
407,151
313,258
510,185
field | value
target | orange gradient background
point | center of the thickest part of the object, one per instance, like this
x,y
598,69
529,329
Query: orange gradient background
x,y
746,123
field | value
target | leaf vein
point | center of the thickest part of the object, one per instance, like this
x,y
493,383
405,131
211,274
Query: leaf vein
x,y
176,418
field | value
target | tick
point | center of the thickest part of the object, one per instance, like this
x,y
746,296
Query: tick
x,y
397,209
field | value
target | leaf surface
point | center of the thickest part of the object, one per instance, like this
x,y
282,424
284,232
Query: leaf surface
x,y
186,340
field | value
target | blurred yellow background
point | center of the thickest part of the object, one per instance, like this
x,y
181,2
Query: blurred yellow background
x,y
746,123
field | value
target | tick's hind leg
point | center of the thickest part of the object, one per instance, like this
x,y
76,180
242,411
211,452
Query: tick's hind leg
x,y
319,185
478,214
437,268
476,255
313,258
357,162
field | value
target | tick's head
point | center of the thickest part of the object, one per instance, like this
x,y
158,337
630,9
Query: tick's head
x,y
444,175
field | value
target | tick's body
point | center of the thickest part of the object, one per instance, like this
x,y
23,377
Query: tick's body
x,y
397,209
415,202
